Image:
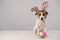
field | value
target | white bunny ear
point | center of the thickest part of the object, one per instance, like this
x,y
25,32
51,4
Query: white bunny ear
x,y
44,5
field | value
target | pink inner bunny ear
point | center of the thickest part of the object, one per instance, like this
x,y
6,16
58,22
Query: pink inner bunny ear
x,y
35,9
45,5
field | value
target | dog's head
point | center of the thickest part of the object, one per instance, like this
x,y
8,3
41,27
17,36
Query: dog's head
x,y
41,14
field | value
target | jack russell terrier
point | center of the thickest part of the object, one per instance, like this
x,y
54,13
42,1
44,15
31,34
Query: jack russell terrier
x,y
40,25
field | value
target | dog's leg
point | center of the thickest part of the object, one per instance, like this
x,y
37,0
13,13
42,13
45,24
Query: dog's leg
x,y
35,31
38,33
44,29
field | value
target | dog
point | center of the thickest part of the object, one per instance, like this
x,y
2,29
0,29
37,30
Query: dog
x,y
40,25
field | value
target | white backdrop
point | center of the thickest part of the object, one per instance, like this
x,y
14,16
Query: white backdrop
x,y
16,14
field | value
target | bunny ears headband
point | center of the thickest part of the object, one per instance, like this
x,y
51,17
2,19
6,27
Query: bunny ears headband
x,y
44,7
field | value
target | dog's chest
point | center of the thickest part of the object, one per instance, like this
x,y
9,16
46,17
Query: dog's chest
x,y
41,25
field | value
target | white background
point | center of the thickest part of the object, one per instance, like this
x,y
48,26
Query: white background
x,y
17,15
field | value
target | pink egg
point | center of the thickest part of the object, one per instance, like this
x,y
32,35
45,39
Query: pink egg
x,y
44,33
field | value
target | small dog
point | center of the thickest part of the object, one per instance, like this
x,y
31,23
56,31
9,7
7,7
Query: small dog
x,y
40,25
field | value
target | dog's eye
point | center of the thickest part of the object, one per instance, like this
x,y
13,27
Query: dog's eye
x,y
43,14
39,14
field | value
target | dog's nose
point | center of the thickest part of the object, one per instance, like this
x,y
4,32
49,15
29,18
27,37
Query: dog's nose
x,y
42,18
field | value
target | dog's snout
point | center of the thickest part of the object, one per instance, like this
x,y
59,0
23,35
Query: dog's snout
x,y
42,18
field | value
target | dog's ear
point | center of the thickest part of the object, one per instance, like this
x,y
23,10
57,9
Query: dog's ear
x,y
44,5
46,12
35,9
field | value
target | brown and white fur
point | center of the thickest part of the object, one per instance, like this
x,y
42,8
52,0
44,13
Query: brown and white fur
x,y
40,25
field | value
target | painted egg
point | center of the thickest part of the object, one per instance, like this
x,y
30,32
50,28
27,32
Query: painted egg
x,y
43,34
